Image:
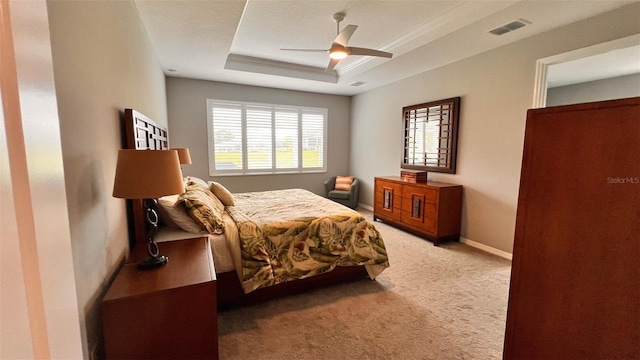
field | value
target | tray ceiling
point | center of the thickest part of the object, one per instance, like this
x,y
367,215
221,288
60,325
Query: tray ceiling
x,y
240,41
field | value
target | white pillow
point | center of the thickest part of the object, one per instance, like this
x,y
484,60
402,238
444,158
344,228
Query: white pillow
x,y
195,180
221,193
174,214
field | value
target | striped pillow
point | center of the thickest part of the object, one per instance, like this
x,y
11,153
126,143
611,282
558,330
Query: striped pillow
x,y
343,183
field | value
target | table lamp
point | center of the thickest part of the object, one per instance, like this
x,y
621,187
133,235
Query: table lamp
x,y
183,155
148,175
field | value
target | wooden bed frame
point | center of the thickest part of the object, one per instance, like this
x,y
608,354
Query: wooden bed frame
x,y
141,133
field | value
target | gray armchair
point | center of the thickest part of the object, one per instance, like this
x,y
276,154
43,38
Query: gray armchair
x,y
347,198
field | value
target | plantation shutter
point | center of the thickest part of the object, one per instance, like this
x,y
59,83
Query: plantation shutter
x,y
252,138
312,139
286,135
259,137
227,133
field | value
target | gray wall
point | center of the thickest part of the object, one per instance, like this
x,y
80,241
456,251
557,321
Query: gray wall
x,y
103,62
187,111
608,89
496,88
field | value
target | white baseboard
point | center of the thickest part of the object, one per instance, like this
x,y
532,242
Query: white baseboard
x,y
489,249
477,245
370,208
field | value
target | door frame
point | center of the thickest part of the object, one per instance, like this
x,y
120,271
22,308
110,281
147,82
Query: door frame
x,y
542,65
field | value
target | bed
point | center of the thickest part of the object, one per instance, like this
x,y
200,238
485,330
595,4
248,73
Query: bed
x,y
264,244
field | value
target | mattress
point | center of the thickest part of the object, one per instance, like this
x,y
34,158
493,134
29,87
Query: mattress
x,y
222,258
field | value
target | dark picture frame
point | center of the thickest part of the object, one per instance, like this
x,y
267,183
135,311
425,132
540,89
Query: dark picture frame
x,y
430,136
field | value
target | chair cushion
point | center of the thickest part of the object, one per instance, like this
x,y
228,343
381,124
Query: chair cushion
x,y
343,183
339,194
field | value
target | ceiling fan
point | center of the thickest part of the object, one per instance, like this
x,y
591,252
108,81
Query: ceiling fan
x,y
339,49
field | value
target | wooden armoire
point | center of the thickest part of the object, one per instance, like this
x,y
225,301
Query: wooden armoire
x,y
575,280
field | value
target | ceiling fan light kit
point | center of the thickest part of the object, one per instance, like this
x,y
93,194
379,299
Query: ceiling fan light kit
x,y
338,55
338,52
339,49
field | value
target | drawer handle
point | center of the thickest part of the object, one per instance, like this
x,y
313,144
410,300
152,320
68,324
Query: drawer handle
x,y
416,208
387,199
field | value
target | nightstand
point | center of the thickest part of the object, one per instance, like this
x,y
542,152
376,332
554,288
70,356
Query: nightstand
x,y
169,312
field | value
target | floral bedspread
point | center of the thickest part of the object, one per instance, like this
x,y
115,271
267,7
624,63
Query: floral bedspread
x,y
293,234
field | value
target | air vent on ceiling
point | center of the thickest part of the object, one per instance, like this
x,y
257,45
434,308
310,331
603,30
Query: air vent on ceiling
x,y
357,83
514,25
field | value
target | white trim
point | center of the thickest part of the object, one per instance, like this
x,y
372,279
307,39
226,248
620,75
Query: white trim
x,y
370,208
477,245
540,87
279,68
489,249
40,314
211,155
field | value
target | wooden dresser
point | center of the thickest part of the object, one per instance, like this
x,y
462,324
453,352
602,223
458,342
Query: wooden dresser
x,y
430,209
575,276
164,313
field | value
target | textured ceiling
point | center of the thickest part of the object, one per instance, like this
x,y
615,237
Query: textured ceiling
x,y
239,41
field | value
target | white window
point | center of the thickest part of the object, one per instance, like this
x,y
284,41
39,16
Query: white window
x,y
251,138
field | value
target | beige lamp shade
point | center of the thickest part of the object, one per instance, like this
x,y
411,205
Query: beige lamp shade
x,y
183,155
147,174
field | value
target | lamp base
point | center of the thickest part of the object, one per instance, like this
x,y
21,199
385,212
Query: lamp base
x,y
153,262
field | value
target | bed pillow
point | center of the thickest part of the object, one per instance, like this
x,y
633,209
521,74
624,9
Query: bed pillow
x,y
207,194
204,208
189,180
343,183
221,193
174,214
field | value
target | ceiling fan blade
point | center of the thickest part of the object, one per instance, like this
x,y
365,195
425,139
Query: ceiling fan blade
x,y
307,50
344,35
332,64
369,52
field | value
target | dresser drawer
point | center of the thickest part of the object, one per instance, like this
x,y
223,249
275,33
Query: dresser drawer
x,y
431,209
419,214
387,199
169,312
430,194
382,184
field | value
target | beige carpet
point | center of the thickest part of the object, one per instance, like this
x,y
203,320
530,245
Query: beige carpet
x,y
446,302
